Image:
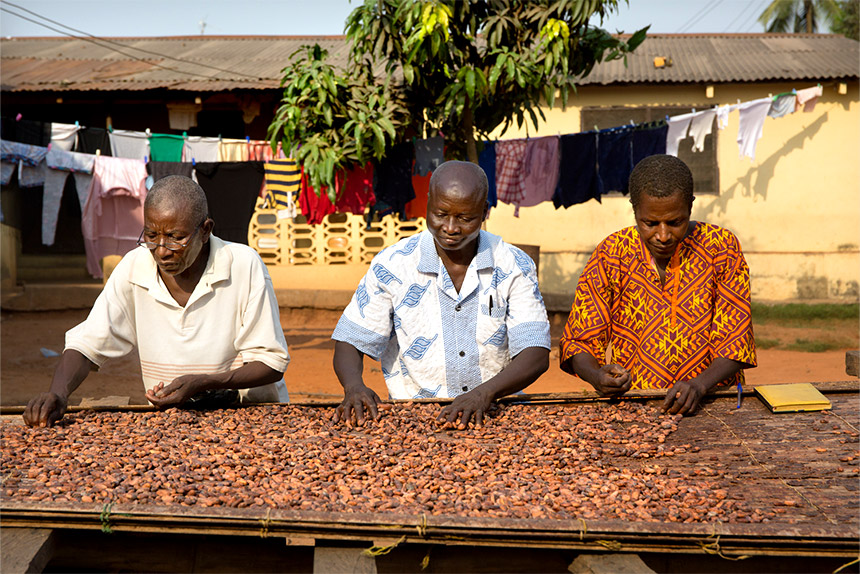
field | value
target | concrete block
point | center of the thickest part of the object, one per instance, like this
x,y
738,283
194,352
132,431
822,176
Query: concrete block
x,y
609,564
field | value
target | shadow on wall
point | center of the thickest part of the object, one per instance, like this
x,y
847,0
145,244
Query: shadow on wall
x,y
744,186
559,274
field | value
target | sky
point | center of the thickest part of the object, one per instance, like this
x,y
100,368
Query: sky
x,y
317,17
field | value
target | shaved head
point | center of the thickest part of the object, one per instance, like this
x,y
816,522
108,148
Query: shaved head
x,y
178,193
460,178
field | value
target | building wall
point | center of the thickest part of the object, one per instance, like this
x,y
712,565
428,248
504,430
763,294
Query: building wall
x,y
795,208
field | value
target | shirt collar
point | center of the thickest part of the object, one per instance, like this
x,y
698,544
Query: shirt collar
x,y
430,262
645,255
145,272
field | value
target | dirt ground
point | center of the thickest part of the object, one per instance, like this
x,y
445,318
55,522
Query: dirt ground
x,y
24,371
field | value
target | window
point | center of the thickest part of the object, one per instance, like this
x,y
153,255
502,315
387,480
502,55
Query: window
x,y
703,164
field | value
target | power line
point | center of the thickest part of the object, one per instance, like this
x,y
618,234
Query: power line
x,y
741,16
691,18
89,37
754,23
710,8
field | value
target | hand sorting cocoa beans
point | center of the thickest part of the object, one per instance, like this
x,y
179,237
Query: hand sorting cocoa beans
x,y
591,461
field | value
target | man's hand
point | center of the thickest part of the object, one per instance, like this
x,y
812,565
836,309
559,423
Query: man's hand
x,y
45,410
475,404
357,399
176,393
612,380
683,398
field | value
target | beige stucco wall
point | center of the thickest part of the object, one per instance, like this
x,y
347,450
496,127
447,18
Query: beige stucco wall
x,y
795,208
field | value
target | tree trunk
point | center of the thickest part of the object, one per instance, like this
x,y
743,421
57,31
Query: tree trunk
x,y
810,9
468,124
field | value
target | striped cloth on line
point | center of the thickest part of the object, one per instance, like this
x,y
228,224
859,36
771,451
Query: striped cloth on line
x,y
283,181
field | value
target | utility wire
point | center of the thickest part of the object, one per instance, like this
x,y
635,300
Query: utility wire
x,y
710,8
741,16
89,37
691,18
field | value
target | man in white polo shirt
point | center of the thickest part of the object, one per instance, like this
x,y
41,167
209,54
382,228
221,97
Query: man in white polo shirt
x,y
201,312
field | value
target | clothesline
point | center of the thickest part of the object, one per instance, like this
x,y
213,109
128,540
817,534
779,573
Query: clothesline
x,y
574,168
687,125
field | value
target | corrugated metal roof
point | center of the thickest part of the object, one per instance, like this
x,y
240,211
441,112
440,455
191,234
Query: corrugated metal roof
x,y
726,58
203,63
212,63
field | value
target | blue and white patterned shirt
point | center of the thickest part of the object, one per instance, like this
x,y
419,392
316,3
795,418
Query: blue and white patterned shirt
x,y
433,341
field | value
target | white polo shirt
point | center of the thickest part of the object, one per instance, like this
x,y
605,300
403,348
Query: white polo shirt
x,y
231,318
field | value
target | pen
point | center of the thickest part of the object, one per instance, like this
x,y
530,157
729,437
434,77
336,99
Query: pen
x,y
491,304
740,391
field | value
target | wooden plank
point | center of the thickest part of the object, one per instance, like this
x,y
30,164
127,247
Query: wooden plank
x,y
826,387
25,549
109,401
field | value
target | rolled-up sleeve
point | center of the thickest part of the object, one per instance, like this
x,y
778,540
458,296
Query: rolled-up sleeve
x,y
108,331
527,322
260,336
367,322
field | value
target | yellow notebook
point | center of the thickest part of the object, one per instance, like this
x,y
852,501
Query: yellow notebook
x,y
792,398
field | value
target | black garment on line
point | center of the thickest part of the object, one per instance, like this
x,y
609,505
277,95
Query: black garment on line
x,y
614,160
649,141
392,178
92,139
232,188
429,154
577,178
487,162
161,169
26,131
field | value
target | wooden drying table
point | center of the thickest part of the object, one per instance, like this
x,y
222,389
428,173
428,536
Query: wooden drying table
x,y
775,458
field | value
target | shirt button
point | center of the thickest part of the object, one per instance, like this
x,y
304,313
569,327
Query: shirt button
x,y
465,388
462,353
457,308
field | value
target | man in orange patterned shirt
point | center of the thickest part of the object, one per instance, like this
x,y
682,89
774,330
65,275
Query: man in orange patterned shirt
x,y
669,296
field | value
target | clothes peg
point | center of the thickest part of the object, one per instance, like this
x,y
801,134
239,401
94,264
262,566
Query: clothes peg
x,y
18,117
148,133
247,139
49,146
146,159
98,151
185,135
77,125
193,162
770,96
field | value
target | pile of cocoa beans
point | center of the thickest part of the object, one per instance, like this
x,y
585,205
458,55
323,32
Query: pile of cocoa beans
x,y
589,461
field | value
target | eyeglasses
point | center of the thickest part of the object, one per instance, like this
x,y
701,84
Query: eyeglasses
x,y
170,245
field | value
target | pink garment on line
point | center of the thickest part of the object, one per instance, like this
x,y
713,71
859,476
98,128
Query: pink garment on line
x,y
540,165
808,97
112,218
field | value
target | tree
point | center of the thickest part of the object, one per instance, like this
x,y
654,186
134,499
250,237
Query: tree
x,y
847,21
798,16
461,67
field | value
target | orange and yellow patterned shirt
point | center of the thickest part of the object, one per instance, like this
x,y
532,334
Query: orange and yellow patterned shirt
x,y
663,333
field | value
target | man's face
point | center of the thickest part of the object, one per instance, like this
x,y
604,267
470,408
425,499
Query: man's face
x,y
174,228
662,223
454,218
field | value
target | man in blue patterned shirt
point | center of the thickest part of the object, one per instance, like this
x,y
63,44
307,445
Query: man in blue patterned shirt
x,y
452,312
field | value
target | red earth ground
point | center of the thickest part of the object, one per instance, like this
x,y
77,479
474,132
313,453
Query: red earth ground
x,y
24,371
